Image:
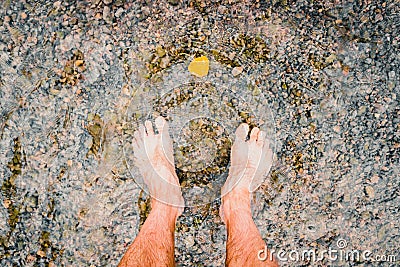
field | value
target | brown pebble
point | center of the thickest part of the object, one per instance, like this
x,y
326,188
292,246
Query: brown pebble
x,y
78,62
41,253
237,70
7,203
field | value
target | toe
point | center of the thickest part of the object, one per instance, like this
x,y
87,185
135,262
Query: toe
x,y
149,128
142,131
161,124
135,144
261,138
136,134
266,144
254,134
242,131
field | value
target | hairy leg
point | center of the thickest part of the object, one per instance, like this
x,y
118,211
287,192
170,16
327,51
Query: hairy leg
x,y
250,161
154,245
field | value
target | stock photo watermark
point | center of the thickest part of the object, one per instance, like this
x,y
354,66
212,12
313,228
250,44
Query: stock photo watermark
x,y
341,254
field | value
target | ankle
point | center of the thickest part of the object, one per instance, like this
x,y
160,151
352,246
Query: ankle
x,y
235,203
165,210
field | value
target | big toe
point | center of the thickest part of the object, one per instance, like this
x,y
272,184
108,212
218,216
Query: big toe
x,y
254,134
242,131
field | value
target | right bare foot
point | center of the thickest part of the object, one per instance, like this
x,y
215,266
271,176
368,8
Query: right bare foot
x,y
251,160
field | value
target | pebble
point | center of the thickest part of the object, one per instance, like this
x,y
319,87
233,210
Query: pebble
x,y
374,179
119,12
189,240
57,4
160,51
164,62
370,191
106,13
41,253
237,70
173,2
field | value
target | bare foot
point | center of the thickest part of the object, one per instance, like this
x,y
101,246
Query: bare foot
x,y
250,160
154,158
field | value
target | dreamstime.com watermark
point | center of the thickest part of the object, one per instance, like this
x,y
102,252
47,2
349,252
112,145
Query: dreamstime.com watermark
x,y
342,254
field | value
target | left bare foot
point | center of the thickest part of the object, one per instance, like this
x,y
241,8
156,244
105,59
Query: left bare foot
x,y
154,158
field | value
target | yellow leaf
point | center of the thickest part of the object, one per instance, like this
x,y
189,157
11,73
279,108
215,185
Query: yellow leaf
x,y
199,66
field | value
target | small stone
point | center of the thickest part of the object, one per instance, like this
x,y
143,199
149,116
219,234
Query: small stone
x,y
378,17
107,2
57,4
331,58
7,203
106,13
73,21
361,110
41,253
345,69
374,179
256,91
79,62
237,70
164,62
119,2
392,75
199,66
24,15
160,51
173,2
55,91
30,258
189,241
336,128
370,191
119,12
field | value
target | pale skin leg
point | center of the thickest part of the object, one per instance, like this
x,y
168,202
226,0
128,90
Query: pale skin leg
x,y
250,161
154,245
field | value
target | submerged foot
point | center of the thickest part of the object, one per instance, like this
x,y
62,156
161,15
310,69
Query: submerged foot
x,y
251,160
154,158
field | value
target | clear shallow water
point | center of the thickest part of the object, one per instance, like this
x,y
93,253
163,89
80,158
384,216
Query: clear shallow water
x,y
330,82
203,115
